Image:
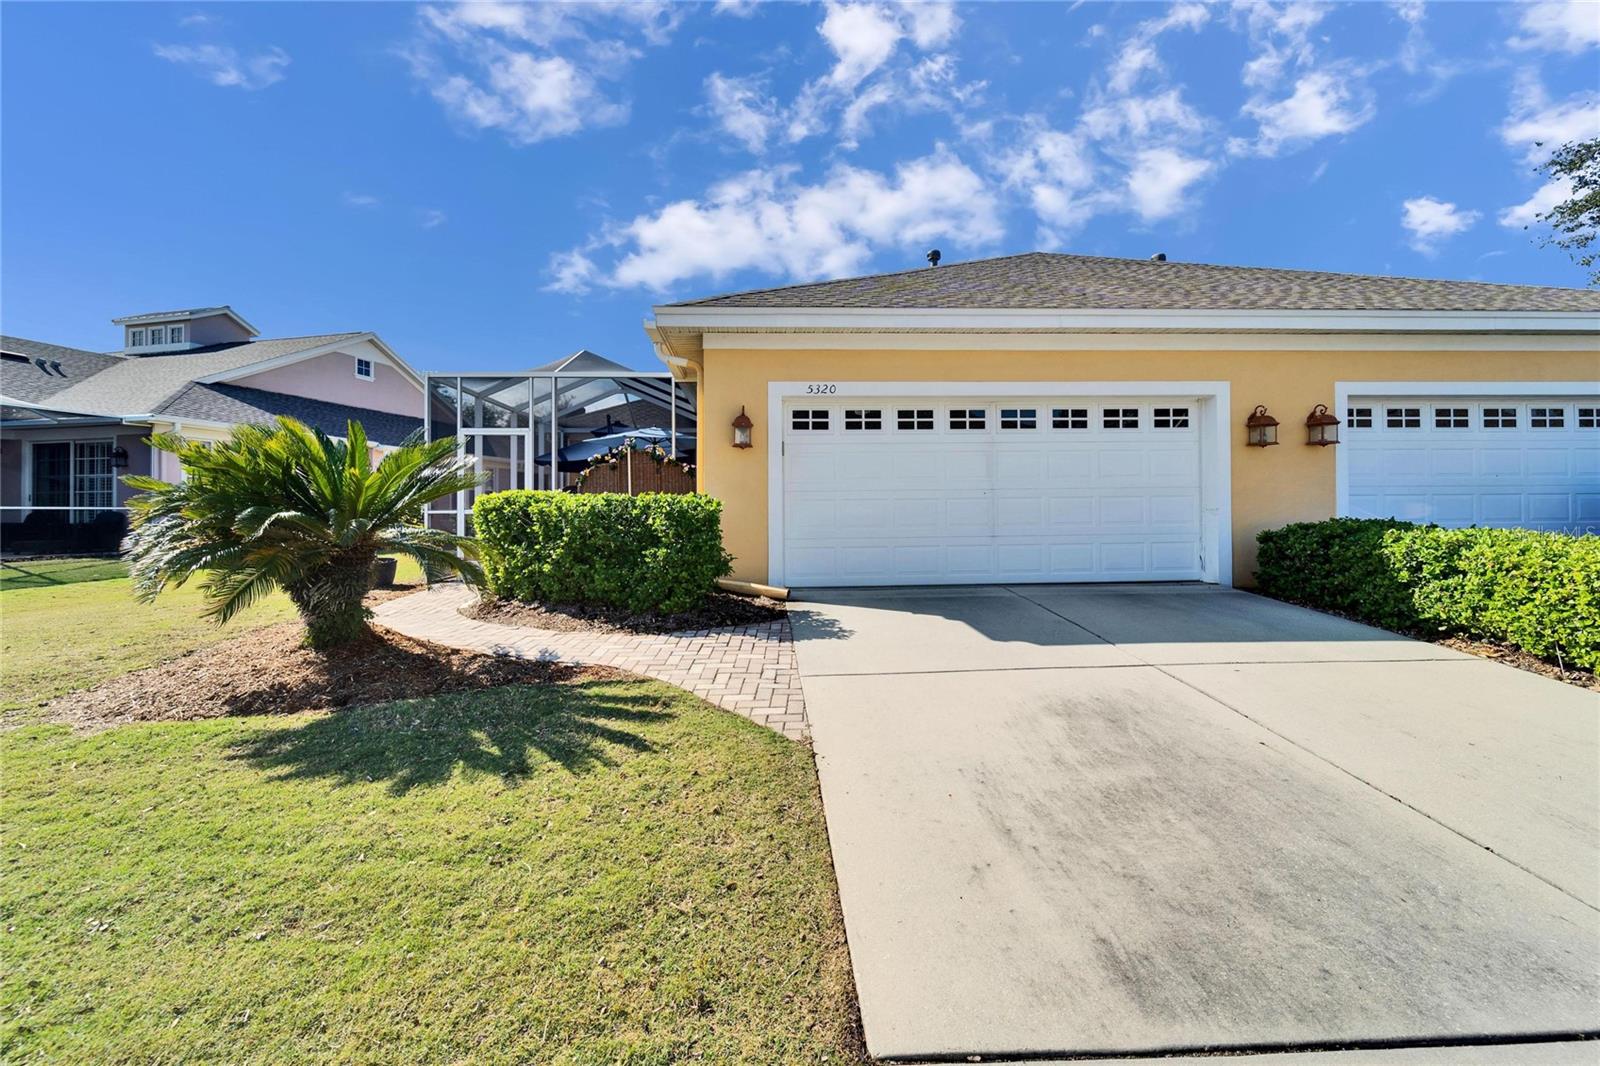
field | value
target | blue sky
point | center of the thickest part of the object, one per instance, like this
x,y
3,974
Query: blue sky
x,y
492,186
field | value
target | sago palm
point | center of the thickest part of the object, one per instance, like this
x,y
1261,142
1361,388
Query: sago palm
x,y
289,507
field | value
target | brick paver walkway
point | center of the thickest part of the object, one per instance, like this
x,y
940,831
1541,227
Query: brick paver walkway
x,y
749,670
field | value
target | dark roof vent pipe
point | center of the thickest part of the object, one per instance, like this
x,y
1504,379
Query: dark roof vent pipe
x,y
1159,257
933,258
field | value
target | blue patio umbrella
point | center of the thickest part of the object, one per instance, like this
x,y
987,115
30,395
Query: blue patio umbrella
x,y
576,456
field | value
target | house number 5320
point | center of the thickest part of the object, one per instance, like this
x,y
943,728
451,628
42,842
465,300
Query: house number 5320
x,y
821,390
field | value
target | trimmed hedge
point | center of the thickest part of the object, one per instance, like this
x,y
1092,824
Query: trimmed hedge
x,y
657,552
1336,565
1538,591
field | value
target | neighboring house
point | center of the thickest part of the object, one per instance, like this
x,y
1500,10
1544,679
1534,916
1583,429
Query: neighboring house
x,y
72,421
1051,417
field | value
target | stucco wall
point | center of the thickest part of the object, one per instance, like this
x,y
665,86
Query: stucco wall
x,y
333,378
1271,486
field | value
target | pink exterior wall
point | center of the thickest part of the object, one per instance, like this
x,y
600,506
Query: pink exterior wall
x,y
11,451
333,378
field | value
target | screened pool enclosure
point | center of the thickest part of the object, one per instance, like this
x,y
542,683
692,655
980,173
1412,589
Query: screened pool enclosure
x,y
540,428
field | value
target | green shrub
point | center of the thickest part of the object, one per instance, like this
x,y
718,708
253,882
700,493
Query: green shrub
x,y
653,552
1538,591
1336,565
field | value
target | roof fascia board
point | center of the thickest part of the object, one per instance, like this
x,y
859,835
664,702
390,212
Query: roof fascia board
x,y
1186,342
847,319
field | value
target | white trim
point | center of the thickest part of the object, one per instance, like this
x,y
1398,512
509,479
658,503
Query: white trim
x,y
1216,466
846,319
1029,342
1345,391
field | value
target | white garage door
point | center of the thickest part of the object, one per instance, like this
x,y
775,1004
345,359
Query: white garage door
x,y
1486,461
954,490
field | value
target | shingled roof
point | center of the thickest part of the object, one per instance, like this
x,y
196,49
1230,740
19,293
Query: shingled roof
x,y
1052,281
140,385
237,403
34,371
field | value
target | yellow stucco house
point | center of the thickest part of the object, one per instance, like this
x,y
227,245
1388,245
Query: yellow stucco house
x,y
1048,417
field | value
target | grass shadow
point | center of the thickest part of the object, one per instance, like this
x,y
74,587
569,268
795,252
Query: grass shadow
x,y
31,574
508,732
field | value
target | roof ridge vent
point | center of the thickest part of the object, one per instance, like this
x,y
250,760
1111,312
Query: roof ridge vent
x,y
1159,257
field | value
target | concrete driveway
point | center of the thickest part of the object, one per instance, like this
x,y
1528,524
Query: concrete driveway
x,y
1092,819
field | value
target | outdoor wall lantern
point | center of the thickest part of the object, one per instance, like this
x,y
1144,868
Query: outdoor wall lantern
x,y
1261,429
119,458
1321,427
741,430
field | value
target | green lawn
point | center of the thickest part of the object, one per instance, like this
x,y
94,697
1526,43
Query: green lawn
x,y
613,872
67,624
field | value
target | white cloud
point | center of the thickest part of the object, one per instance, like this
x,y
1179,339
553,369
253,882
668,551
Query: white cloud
x,y
1527,213
198,18
1559,26
865,38
1159,179
1138,54
769,222
1058,173
1281,36
359,199
534,71
1142,116
431,218
743,111
1430,221
1538,126
223,65
1323,103
739,9
862,38
571,272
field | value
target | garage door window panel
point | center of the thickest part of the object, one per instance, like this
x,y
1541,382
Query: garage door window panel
x,y
809,420
914,419
1069,418
1358,417
969,418
1589,418
1403,418
1019,418
1547,417
863,419
1119,417
1170,418
1452,418
1499,418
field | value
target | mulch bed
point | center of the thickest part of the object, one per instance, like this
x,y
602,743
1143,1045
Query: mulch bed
x,y
269,671
1483,649
721,609
1503,653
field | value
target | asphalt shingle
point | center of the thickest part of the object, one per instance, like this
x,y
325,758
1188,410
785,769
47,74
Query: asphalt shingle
x,y
1052,281
26,380
236,403
139,385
